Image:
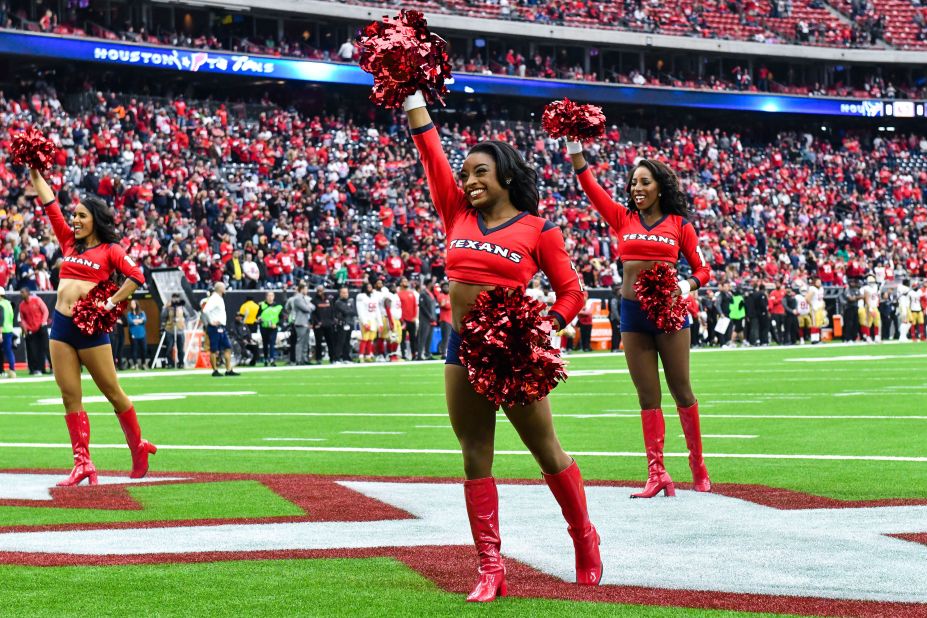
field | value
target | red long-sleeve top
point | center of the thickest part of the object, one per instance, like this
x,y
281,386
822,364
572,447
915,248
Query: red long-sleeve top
x,y
508,255
663,241
33,314
95,264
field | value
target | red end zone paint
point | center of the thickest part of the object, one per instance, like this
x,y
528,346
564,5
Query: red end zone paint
x,y
100,497
914,538
453,568
319,497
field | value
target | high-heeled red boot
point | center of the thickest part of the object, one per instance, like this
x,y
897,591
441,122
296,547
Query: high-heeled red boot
x,y
688,417
567,487
140,448
483,510
654,432
79,429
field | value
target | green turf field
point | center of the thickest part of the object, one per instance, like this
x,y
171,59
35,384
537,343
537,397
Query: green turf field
x,y
846,422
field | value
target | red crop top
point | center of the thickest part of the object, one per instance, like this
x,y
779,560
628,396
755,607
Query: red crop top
x,y
95,264
507,255
663,241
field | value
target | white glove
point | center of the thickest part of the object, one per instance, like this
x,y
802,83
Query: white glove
x,y
574,147
414,101
110,305
684,287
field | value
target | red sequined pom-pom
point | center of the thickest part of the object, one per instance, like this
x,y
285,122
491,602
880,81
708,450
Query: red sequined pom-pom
x,y
575,122
654,288
32,149
89,315
506,348
404,56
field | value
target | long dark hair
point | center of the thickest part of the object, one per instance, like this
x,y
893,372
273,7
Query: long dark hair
x,y
672,199
523,190
104,221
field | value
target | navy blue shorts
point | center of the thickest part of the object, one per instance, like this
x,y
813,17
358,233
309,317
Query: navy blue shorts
x,y
218,339
452,357
64,330
634,320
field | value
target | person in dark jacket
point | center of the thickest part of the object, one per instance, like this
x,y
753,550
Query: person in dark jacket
x,y
758,315
724,300
427,318
790,304
614,318
323,323
345,314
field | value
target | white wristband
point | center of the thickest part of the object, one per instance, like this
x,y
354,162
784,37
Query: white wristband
x,y
110,305
574,147
414,101
684,287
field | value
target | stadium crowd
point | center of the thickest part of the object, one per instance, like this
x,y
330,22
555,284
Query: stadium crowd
x,y
267,201
513,59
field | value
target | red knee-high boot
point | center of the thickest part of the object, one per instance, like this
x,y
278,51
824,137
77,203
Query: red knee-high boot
x,y
140,448
688,418
483,510
79,429
567,487
654,432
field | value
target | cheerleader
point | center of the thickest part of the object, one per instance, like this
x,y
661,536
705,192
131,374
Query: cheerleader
x,y
654,229
495,238
92,252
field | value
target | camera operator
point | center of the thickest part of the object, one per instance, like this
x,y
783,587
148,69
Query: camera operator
x,y
173,322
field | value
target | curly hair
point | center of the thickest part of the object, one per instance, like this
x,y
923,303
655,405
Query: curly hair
x,y
523,188
672,199
104,221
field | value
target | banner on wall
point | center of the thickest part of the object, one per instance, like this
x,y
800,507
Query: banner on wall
x,y
228,63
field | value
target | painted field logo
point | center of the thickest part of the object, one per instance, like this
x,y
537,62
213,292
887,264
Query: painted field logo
x,y
748,548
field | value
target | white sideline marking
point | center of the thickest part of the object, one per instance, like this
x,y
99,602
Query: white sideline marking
x,y
368,414
744,436
432,426
500,417
56,401
375,433
882,417
828,359
579,373
206,372
294,439
437,451
38,486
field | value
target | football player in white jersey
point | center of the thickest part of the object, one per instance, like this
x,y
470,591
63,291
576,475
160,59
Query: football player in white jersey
x,y
917,298
870,320
904,308
391,323
804,314
368,314
815,298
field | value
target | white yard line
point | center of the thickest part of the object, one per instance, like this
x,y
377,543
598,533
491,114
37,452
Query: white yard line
x,y
853,358
741,436
294,439
456,452
56,401
407,365
500,416
374,433
432,426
